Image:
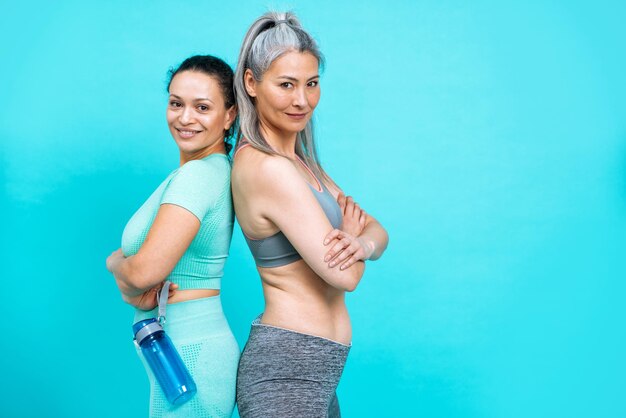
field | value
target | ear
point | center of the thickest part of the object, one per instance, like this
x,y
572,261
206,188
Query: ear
x,y
229,119
250,83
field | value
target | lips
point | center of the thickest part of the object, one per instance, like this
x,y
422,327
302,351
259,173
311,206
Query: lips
x,y
186,133
296,116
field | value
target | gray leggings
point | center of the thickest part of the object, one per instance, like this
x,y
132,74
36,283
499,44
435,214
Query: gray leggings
x,y
284,373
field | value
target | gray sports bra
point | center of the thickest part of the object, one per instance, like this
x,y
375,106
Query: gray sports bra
x,y
276,250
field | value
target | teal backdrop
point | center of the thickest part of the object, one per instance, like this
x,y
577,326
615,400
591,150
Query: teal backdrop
x,y
488,137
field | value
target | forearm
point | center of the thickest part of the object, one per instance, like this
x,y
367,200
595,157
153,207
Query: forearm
x,y
375,239
129,279
347,279
127,290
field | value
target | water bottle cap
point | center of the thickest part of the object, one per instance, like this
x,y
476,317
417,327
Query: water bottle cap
x,y
145,328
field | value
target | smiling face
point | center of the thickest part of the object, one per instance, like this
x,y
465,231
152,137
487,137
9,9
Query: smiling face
x,y
287,94
196,115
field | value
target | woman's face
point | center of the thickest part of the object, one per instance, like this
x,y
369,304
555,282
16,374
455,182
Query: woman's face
x,y
288,92
196,114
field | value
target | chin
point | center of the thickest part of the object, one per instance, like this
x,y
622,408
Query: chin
x,y
186,149
295,127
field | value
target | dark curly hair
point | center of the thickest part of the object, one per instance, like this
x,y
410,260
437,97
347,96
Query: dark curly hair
x,y
218,69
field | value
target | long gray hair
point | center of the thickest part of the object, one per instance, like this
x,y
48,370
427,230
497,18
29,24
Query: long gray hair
x,y
270,37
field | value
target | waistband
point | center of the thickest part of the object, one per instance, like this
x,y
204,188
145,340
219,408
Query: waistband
x,y
257,323
204,315
280,355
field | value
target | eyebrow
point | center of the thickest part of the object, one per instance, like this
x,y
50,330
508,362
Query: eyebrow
x,y
195,100
290,78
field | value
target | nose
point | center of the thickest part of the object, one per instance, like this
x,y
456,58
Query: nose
x,y
299,97
186,116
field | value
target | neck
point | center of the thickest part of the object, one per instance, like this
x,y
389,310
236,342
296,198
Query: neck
x,y
282,142
218,148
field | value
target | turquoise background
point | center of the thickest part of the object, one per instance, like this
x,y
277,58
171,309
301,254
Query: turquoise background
x,y
488,138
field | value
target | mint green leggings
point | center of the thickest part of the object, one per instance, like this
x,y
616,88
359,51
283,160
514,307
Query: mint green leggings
x,y
201,334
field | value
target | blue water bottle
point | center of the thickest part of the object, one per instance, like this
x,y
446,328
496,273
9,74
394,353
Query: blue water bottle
x,y
162,357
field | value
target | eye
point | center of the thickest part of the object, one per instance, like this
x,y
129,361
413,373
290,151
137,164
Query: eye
x,y
174,103
314,83
203,108
286,85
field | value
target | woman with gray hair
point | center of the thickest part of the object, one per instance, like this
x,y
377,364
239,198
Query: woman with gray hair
x,y
308,240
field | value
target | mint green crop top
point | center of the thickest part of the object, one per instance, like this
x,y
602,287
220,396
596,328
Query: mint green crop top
x,y
203,188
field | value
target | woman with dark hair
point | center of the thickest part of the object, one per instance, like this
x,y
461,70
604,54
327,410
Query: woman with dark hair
x,y
309,242
182,234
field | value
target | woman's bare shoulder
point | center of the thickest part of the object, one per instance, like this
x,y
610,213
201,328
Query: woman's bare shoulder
x,y
254,169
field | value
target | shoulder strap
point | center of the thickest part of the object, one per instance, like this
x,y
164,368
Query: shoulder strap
x,y
162,296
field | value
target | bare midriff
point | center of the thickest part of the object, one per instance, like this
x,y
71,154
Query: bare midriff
x,y
191,294
299,300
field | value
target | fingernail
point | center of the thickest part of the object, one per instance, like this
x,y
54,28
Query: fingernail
x,y
325,241
332,264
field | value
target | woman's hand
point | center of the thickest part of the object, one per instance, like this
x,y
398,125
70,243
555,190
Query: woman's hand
x,y
354,217
114,260
148,300
346,249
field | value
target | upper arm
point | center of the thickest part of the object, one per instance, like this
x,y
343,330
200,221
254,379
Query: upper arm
x,y
289,203
171,233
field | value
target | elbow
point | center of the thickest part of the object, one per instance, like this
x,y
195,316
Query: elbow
x,y
385,243
135,281
350,278
344,285
350,286
139,278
